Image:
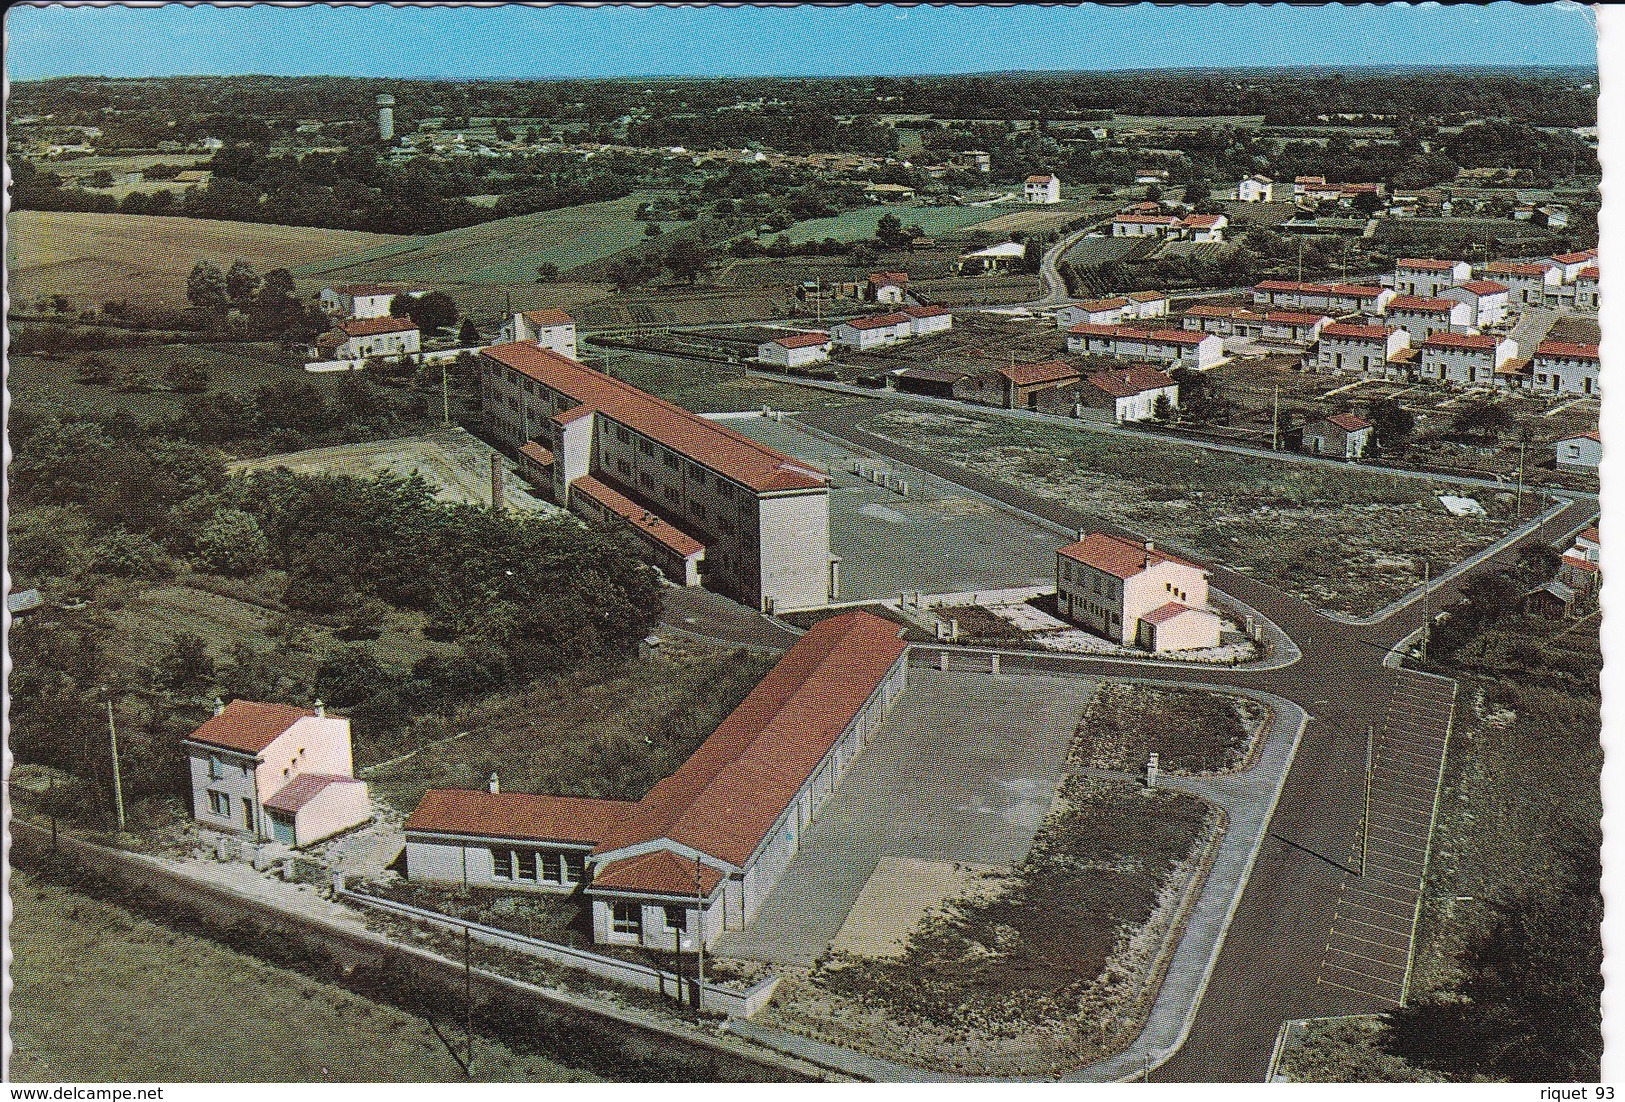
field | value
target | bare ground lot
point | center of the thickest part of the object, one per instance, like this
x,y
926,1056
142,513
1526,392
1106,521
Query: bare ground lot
x,y
1346,540
1191,731
456,464
94,258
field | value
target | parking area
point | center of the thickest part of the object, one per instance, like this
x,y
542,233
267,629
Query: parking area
x,y
963,771
937,539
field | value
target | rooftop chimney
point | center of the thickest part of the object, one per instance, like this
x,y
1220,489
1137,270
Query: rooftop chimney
x,y
1149,546
493,786
321,710
498,501
219,706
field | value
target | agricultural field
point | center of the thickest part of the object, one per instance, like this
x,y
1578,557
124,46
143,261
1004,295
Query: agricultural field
x,y
138,384
1029,221
1348,541
148,1003
860,224
506,251
710,388
1091,251
95,258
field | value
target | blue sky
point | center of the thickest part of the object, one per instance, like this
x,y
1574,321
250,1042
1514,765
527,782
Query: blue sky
x,y
519,42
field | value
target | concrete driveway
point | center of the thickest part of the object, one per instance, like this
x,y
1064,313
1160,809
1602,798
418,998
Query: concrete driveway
x,y
964,769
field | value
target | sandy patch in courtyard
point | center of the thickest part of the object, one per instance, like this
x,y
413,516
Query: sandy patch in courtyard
x,y
901,894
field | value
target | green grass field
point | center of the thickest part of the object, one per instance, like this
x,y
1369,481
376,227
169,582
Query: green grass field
x,y
508,250
236,367
101,994
703,388
860,224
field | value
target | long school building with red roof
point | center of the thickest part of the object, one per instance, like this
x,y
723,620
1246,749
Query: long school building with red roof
x,y
694,490
722,828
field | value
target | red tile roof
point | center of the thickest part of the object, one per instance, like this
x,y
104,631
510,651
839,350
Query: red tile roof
x,y
1591,535
1483,287
1589,273
1592,435
706,442
660,872
249,726
642,520
1118,557
1566,350
1291,317
726,797
1147,296
1339,331
1501,267
801,340
546,318
1163,613
1039,179
371,327
1050,371
521,815
1577,258
1476,343
881,321
926,311
1579,563
1205,310
1150,336
1203,221
881,279
1147,219
1428,265
1099,305
1417,305
302,789
1348,422
1175,336
1347,290
1130,381
536,453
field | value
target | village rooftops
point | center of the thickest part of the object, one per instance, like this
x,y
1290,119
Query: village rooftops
x,y
1050,371
660,872
1577,258
708,443
888,279
1348,422
1151,336
1427,265
1039,179
801,340
1147,296
248,726
1207,310
1095,306
1415,304
1475,342
881,321
1566,350
661,531
547,318
1129,381
1483,287
1502,267
1346,290
725,799
924,311
519,815
371,327
1202,221
1339,331
1591,273
1147,219
1118,557
1292,317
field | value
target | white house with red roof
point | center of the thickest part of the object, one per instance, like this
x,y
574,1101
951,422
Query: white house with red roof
x,y
361,300
551,329
360,338
1222,321
1134,594
1255,189
1424,278
275,772
1292,326
1041,189
1463,358
1580,450
925,320
795,349
1487,298
1204,227
1570,265
1421,317
888,288
698,853
1566,367
1342,435
679,481
1587,288
1528,284
1171,347
1100,311
863,334
1367,349
1128,393
1145,225
1336,298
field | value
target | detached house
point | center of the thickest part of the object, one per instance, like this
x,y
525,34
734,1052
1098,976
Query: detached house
x,y
888,288
1129,393
1581,450
1104,311
274,772
1204,227
1428,278
1041,189
1145,225
554,330
1563,367
700,852
360,300
1423,316
360,338
1343,435
1463,358
864,334
795,349
1016,386
1487,298
1135,595
1256,189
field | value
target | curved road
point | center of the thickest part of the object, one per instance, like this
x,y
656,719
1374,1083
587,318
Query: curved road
x,y
1267,969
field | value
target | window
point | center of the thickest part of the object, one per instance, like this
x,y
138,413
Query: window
x,y
220,804
527,865
676,917
623,466
502,864
622,434
671,462
645,448
575,867
671,494
725,489
626,917
248,812
646,481
697,473
697,509
217,768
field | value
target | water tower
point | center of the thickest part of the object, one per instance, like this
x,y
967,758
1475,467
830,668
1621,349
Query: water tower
x,y
386,118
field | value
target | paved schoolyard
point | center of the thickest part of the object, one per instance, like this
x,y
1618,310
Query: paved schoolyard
x,y
964,769
938,539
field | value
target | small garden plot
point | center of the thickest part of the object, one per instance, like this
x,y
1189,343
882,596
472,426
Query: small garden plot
x,y
1190,731
1345,1050
1051,969
1034,622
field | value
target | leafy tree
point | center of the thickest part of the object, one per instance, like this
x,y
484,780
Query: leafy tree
x,y
1163,409
129,554
686,258
432,312
278,282
231,543
349,675
468,335
1481,419
547,273
242,282
206,286
186,668
890,232
1393,422
188,376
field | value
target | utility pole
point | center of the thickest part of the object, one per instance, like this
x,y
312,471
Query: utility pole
x,y
699,934
445,396
1519,511
118,784
468,1007
1427,615
1275,421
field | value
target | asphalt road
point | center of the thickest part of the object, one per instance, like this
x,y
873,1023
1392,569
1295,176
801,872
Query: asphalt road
x,y
1267,969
